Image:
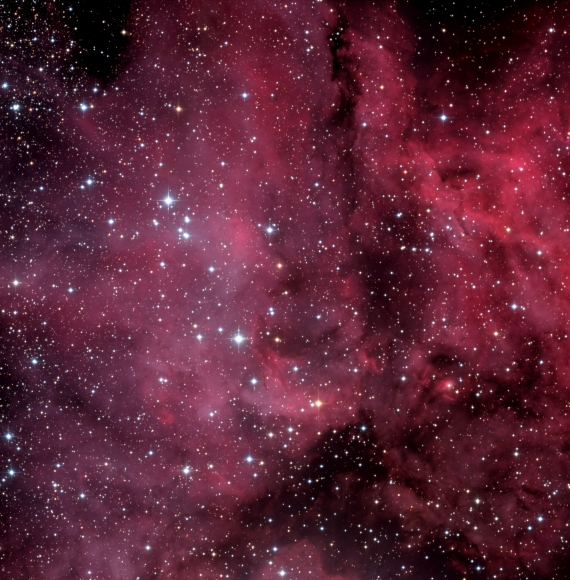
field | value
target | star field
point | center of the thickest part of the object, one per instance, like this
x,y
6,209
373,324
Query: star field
x,y
284,290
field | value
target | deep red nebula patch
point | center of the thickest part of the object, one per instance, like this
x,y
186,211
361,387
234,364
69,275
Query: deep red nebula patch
x,y
286,295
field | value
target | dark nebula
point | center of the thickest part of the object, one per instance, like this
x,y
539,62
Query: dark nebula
x,y
285,290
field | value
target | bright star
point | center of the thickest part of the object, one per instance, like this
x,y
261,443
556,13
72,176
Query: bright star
x,y
239,338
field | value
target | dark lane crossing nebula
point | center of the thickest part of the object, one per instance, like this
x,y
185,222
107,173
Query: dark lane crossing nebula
x,y
284,290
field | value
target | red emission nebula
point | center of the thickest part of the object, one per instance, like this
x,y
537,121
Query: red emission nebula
x,y
286,294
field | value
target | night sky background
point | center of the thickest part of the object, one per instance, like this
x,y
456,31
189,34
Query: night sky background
x,y
284,290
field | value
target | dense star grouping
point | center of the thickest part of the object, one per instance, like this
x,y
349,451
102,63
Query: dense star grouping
x,y
284,290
